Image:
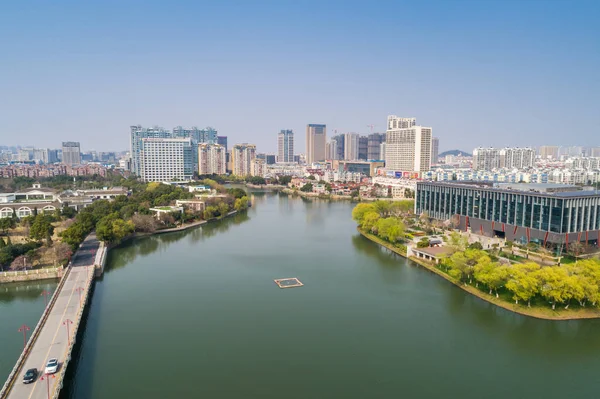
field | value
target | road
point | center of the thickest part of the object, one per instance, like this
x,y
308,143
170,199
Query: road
x,y
53,340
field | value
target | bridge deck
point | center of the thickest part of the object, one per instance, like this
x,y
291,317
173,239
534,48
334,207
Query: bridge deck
x,y
52,340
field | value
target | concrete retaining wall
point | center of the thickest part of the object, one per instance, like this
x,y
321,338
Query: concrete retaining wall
x,y
31,275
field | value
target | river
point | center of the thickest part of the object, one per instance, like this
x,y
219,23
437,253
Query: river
x,y
197,314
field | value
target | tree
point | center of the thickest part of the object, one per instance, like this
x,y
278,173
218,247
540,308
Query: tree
x,y
476,245
41,227
258,180
359,211
21,262
144,223
389,228
7,224
457,241
63,253
307,188
68,212
523,282
284,180
370,220
241,204
553,284
236,192
423,243
2,243
74,235
311,177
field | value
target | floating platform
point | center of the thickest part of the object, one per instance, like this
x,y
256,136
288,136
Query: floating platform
x,y
288,282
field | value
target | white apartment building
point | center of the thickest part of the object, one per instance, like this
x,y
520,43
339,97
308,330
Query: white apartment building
x,y
212,159
407,148
242,156
486,158
351,146
285,146
517,158
258,167
166,159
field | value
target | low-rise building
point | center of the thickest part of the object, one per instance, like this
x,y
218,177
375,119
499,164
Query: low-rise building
x,y
195,205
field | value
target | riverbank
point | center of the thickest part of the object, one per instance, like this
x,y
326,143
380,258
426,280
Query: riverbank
x,y
536,311
302,194
268,187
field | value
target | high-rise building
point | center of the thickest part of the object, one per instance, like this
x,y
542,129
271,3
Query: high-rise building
x,y
44,155
166,159
517,158
271,159
242,156
285,146
435,148
316,137
374,146
258,167
351,146
363,147
408,147
486,158
495,158
338,147
212,159
26,154
394,122
548,152
222,140
573,151
71,153
138,133
595,152
206,135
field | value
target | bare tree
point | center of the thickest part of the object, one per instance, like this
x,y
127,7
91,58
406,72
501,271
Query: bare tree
x,y
144,223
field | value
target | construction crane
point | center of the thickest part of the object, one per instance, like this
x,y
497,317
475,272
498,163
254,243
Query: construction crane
x,y
371,126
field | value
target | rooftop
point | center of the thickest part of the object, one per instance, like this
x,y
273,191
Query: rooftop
x,y
555,190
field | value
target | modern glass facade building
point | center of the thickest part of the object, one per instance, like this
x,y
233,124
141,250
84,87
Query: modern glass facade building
x,y
543,213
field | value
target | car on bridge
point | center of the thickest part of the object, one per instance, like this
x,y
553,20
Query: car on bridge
x,y
30,376
51,366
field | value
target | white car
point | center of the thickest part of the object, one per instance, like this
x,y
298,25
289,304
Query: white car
x,y
51,366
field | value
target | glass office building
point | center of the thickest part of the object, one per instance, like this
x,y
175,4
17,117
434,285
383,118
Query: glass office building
x,y
520,212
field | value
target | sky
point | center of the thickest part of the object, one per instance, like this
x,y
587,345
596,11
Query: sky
x,y
480,73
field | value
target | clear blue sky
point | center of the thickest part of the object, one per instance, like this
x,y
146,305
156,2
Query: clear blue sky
x,y
479,72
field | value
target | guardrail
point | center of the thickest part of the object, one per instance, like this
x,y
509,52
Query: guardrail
x,y
15,371
28,272
58,383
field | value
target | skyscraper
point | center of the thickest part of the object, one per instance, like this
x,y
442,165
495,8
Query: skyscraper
x,y
166,159
285,146
351,146
549,152
211,159
316,137
408,147
138,133
435,147
486,158
338,149
222,140
374,143
242,156
71,153
363,147
517,158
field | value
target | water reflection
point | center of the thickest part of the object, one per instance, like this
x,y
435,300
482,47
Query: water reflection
x,y
28,291
144,246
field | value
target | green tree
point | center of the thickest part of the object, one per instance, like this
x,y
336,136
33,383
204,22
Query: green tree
x,y
457,241
284,180
41,227
307,188
7,224
553,284
423,243
369,220
523,281
359,211
476,245
241,204
390,229
2,243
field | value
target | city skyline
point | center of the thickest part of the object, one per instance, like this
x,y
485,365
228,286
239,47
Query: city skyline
x,y
479,62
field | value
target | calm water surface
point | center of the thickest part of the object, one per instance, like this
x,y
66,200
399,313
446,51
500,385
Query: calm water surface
x,y
196,314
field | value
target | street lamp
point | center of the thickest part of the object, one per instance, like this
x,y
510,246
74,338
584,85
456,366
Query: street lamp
x,y
24,330
47,378
66,324
45,294
80,290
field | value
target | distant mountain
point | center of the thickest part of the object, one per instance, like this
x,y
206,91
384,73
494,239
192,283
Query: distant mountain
x,y
455,153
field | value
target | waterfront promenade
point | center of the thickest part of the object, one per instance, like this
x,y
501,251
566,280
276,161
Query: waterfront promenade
x,y
55,334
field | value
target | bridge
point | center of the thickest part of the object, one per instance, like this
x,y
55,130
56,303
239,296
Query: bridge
x,y
54,335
